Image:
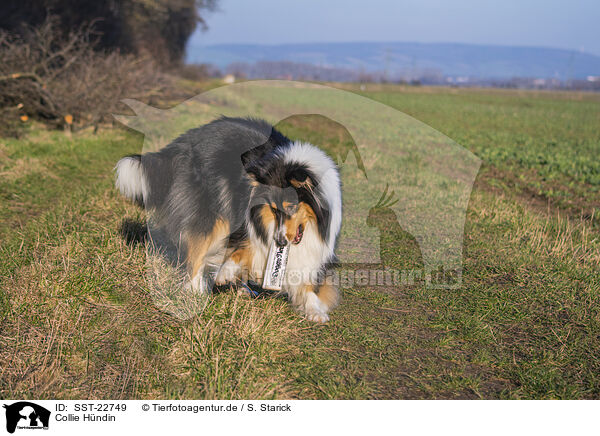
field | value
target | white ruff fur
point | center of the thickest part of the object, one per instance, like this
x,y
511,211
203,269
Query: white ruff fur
x,y
304,263
329,183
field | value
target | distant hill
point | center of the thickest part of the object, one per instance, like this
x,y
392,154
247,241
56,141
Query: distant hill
x,y
402,59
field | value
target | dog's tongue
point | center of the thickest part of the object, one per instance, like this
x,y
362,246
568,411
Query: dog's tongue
x,y
298,237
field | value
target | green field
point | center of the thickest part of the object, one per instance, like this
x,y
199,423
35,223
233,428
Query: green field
x,y
77,320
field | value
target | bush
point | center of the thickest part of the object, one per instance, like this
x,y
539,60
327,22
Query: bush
x,y
63,80
197,72
156,28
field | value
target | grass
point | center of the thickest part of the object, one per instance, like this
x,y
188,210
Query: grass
x,y
77,320
544,144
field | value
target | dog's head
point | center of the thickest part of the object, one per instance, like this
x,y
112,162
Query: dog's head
x,y
285,202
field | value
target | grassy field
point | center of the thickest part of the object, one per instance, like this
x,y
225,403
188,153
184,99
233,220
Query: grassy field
x,y
76,319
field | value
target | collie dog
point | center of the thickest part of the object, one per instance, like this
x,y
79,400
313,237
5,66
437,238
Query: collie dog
x,y
225,192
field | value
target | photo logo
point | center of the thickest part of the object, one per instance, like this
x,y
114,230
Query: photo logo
x,y
26,415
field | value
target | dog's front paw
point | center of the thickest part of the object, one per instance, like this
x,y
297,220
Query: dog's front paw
x,y
228,273
314,309
317,317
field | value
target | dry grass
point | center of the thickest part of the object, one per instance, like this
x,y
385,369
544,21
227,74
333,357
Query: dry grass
x,y
239,344
82,323
552,235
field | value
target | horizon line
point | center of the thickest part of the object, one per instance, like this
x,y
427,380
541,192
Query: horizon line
x,y
580,50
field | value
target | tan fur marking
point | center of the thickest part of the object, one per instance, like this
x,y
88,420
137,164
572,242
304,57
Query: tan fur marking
x,y
308,288
198,246
243,257
302,216
266,215
329,295
307,184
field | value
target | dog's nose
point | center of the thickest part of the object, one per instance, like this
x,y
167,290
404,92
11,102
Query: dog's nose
x,y
281,240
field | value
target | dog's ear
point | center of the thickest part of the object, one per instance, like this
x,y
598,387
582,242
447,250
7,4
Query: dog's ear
x,y
256,174
299,178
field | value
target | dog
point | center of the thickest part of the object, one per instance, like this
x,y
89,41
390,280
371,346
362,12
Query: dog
x,y
225,192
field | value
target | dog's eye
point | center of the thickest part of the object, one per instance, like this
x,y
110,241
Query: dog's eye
x,y
290,208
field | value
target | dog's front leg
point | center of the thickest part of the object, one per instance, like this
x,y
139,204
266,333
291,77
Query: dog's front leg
x,y
229,272
239,261
316,301
204,256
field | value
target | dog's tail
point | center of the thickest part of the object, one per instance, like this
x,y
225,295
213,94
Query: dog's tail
x,y
131,179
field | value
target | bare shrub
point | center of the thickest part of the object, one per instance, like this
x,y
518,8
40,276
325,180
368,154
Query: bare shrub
x,y
197,72
64,81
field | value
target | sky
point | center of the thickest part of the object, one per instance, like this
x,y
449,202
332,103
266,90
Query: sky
x,y
566,24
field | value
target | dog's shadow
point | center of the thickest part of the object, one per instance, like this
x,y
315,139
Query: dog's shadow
x,y
134,232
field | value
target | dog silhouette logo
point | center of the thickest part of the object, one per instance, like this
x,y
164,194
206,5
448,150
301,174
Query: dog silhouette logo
x,y
26,415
